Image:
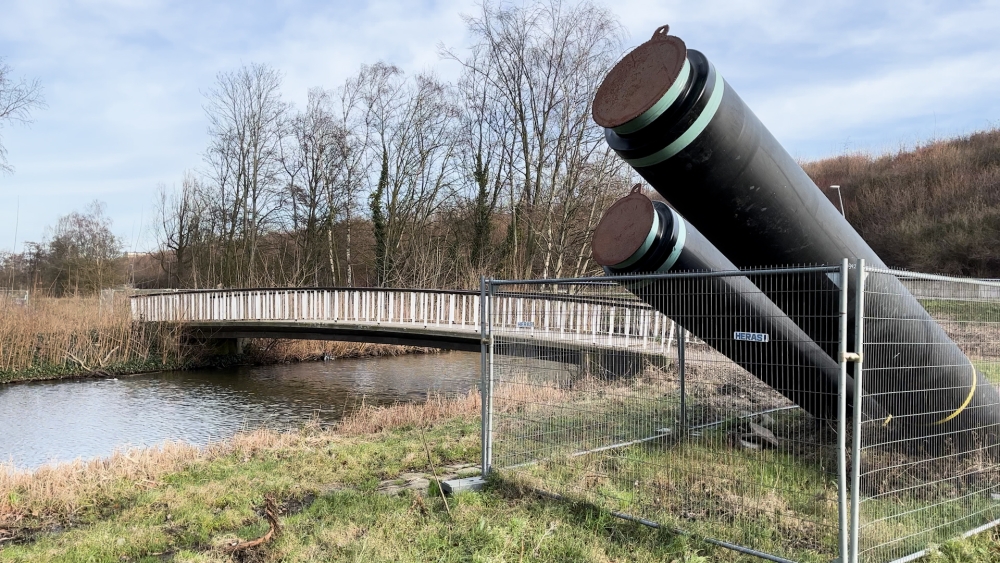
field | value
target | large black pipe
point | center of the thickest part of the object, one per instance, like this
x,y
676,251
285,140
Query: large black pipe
x,y
637,235
674,119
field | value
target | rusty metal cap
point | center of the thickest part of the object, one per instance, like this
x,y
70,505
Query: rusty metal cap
x,y
623,229
640,79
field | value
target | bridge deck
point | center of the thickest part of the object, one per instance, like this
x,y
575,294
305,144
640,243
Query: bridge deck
x,y
542,325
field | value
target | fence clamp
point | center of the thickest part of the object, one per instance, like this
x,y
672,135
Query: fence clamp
x,y
851,357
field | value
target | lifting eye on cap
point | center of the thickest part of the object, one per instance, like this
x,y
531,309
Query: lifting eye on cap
x,y
639,82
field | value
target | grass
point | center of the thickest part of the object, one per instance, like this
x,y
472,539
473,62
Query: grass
x,y
963,310
935,208
179,503
990,370
781,500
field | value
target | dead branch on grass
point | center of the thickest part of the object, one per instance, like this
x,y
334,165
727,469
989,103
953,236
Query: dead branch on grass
x,y
430,462
274,530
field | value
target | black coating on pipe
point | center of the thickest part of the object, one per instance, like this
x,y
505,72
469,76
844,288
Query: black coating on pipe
x,y
739,186
715,308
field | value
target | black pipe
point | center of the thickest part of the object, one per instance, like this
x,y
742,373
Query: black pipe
x,y
730,314
675,120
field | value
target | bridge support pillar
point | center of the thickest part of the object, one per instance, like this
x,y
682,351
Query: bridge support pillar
x,y
612,364
220,347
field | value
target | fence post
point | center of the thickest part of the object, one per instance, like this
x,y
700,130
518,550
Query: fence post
x,y
680,374
859,341
486,373
842,507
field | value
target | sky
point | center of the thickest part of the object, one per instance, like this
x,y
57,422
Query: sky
x,y
124,80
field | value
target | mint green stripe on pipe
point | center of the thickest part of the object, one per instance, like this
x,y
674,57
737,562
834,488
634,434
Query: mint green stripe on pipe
x,y
650,115
699,125
645,245
675,253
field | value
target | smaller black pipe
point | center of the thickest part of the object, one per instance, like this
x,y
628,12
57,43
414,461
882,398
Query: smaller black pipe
x,y
718,309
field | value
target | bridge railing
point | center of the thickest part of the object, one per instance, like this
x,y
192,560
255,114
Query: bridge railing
x,y
362,305
626,323
616,322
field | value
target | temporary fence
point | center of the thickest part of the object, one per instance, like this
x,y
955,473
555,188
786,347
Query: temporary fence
x,y
915,490
722,405
14,296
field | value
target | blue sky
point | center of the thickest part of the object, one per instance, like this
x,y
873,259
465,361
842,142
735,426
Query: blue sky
x,y
124,78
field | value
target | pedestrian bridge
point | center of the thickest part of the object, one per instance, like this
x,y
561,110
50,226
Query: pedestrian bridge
x,y
543,325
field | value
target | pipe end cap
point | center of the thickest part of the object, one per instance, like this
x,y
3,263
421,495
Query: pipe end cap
x,y
639,80
623,229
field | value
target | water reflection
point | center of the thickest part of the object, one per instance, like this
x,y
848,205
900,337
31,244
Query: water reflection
x,y
63,420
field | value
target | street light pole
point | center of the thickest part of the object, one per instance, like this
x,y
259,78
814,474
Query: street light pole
x,y
841,198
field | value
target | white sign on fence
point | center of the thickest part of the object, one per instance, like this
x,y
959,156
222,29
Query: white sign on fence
x,y
752,336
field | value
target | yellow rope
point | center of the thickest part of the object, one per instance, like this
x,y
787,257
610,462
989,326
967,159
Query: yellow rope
x,y
972,391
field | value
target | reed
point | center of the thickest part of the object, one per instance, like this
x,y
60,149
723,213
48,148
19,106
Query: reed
x,y
51,337
373,420
271,350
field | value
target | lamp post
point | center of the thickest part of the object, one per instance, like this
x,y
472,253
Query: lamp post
x,y
841,198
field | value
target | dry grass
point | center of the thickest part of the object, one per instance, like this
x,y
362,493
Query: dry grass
x,y
58,492
373,420
77,335
61,337
271,350
933,209
192,502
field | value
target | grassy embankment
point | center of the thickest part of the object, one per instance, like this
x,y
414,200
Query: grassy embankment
x,y
935,208
179,503
54,338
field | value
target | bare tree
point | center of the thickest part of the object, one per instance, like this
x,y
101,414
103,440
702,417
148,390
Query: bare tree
x,y
422,157
311,163
544,62
486,152
503,172
382,94
84,256
180,226
350,166
246,124
17,99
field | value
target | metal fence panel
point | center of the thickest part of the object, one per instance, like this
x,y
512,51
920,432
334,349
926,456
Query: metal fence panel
x,y
18,297
930,474
684,419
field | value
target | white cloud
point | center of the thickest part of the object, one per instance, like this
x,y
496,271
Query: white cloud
x,y
124,78
840,107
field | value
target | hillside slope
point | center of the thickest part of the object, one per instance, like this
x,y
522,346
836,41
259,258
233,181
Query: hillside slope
x,y
934,209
